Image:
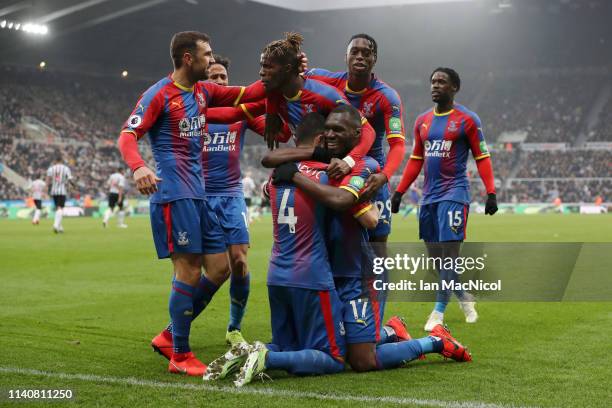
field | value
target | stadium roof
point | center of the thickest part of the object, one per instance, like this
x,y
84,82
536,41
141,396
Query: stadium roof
x,y
108,36
321,5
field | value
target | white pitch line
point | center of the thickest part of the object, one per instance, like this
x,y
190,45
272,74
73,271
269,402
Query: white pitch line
x,y
252,391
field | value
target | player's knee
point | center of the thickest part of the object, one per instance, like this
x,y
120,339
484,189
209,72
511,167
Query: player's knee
x,y
238,260
217,268
363,362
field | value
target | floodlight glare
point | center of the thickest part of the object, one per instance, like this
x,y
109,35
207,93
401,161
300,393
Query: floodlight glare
x,y
124,74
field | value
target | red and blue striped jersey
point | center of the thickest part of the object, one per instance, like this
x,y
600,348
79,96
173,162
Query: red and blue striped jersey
x,y
378,103
221,155
315,96
299,256
443,141
347,240
175,119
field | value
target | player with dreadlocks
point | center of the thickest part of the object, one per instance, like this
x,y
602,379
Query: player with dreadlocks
x,y
292,97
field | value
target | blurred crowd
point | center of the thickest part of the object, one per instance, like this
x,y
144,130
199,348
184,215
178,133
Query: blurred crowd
x,y
81,116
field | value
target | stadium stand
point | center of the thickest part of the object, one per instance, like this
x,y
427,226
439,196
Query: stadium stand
x,y
79,116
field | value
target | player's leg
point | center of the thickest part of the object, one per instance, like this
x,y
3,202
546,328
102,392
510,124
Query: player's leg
x,y
428,232
121,214
215,259
234,221
59,201
361,321
318,324
37,211
177,235
453,219
283,336
112,202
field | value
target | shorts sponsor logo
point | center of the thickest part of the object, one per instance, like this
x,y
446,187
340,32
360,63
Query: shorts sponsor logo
x,y
342,330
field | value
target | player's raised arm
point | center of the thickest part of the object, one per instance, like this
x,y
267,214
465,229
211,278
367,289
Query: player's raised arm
x,y
147,110
243,111
394,129
412,169
332,197
234,95
473,131
324,75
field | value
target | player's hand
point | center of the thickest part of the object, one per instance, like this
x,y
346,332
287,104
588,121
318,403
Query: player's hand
x,y
273,128
491,205
303,62
284,173
146,181
338,168
372,185
396,200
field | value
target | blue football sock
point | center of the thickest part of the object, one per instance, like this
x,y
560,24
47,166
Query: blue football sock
x,y
304,362
387,335
203,295
443,295
239,294
431,344
395,354
181,310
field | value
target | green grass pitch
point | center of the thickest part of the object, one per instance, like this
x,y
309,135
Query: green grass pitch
x,y
78,311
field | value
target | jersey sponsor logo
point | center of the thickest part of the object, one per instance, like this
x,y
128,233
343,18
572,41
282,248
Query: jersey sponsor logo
x,y
367,109
192,127
395,124
438,148
134,121
452,126
220,142
182,238
483,147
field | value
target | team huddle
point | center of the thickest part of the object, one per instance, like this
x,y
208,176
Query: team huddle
x,y
330,199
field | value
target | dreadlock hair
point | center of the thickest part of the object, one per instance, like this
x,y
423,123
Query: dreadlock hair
x,y
221,60
369,38
452,74
286,51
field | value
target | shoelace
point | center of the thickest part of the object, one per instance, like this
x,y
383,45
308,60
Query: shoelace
x,y
264,377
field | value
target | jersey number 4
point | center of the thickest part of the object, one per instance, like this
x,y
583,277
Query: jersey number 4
x,y
286,215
